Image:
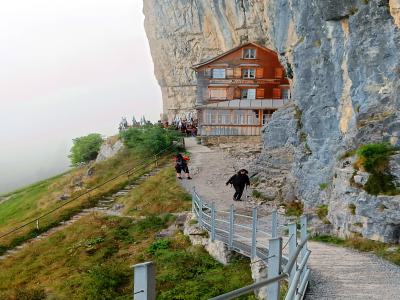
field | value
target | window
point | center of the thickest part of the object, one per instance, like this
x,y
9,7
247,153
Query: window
x,y
285,94
249,94
249,73
218,93
249,53
218,73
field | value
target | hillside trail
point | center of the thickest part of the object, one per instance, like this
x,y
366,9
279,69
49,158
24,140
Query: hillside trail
x,y
337,273
106,205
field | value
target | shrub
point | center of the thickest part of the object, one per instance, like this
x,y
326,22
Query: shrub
x,y
160,244
85,148
149,139
105,281
322,211
323,186
294,208
374,158
352,207
256,194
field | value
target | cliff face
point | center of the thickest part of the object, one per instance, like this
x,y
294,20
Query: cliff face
x,y
343,58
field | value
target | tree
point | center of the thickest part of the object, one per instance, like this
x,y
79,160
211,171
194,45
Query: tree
x,y
85,148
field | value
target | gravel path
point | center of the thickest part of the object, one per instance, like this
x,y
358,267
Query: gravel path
x,y
337,273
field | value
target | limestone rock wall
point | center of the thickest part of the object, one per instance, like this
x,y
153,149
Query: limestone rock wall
x,y
343,60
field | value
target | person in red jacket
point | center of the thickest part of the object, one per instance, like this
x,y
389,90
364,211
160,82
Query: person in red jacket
x,y
181,165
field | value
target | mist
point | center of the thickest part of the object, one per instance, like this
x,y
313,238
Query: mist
x,y
68,68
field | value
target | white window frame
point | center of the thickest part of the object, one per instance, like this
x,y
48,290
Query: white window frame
x,y
249,51
245,92
249,73
218,73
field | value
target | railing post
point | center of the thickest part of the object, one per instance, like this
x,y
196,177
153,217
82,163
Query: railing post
x,y
292,248
212,222
274,267
194,200
303,236
274,224
37,224
156,160
144,284
231,226
254,234
200,217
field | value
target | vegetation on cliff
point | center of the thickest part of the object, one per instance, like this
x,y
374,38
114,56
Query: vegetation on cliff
x,y
85,148
150,139
374,158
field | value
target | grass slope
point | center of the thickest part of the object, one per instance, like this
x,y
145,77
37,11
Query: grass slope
x,y
159,194
28,203
91,259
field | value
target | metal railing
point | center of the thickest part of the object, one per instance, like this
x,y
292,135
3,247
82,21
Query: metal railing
x,y
258,237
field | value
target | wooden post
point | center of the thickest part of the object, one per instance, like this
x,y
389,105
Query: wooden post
x,y
37,224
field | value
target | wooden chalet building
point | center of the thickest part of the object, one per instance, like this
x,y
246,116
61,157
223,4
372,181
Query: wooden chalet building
x,y
238,91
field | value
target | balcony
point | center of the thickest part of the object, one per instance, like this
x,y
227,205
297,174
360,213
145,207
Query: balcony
x,y
246,104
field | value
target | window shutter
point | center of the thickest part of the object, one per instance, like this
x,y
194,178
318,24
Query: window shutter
x,y
229,73
237,93
259,73
278,73
217,93
276,93
237,73
260,93
207,73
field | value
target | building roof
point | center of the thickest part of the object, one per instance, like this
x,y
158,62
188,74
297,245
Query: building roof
x,y
245,104
206,62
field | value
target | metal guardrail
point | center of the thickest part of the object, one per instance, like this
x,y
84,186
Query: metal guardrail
x,y
245,234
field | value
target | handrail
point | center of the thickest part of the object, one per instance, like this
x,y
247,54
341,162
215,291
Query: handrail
x,y
279,266
134,170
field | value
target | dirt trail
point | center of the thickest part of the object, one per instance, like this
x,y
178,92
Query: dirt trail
x,y
211,168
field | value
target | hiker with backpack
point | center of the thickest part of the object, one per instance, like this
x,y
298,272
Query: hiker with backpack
x,y
239,182
181,165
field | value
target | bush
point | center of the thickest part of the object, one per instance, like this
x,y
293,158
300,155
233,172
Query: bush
x,y
104,282
352,207
323,186
374,158
149,139
322,211
161,244
294,209
85,148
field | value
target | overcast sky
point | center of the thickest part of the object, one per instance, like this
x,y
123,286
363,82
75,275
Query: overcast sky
x,y
68,68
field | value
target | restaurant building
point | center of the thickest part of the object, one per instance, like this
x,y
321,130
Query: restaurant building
x,y
239,90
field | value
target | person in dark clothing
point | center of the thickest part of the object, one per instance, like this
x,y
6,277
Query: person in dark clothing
x,y
239,182
181,165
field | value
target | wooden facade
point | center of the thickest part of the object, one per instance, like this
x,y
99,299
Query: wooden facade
x,y
238,91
